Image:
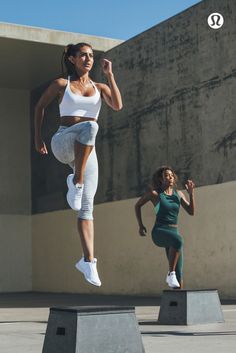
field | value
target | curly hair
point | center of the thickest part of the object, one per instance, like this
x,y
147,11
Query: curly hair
x,y
71,50
158,175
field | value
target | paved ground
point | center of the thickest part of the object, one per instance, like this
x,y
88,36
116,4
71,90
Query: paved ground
x,y
23,322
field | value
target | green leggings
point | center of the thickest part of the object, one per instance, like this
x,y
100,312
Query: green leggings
x,y
166,237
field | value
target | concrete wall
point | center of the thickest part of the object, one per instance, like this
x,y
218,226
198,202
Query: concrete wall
x,y
130,264
178,84
179,88
15,191
179,107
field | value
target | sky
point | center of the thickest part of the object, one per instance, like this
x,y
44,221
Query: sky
x,y
119,19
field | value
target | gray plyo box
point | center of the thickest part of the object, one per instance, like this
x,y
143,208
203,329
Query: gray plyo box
x,y
93,330
190,307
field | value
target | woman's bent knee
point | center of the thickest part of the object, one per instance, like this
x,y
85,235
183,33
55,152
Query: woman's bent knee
x,y
88,134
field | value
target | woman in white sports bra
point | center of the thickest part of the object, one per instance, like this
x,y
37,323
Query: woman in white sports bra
x,y
74,142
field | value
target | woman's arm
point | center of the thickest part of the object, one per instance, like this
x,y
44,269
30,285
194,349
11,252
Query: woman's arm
x,y
110,92
148,196
189,206
51,92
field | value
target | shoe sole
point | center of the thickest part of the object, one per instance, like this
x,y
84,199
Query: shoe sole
x,y
173,286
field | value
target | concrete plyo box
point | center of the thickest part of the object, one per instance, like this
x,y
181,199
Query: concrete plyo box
x,y
103,329
190,307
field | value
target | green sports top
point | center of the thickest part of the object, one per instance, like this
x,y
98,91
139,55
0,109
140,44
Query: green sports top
x,y
167,209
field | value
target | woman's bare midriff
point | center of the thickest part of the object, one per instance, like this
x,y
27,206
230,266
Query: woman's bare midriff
x,y
72,120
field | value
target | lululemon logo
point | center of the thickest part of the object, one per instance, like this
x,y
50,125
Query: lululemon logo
x,y
215,20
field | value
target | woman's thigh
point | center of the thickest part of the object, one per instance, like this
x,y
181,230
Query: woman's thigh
x,y
167,237
63,141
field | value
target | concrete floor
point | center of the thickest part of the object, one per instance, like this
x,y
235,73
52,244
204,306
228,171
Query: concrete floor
x,y
23,322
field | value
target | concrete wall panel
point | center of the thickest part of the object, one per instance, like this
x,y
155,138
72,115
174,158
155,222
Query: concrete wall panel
x,y
15,191
15,173
178,85
130,264
15,253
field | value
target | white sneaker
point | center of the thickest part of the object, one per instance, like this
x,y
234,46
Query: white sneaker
x,y
74,194
89,269
171,280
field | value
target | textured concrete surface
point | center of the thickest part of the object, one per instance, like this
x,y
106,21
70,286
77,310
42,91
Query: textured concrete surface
x,y
178,85
24,320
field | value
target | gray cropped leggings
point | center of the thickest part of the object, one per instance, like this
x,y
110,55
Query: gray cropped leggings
x,y
62,145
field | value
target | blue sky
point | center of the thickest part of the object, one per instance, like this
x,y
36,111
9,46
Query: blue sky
x,y
121,19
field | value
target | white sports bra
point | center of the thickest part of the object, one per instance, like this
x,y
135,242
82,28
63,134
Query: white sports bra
x,y
73,104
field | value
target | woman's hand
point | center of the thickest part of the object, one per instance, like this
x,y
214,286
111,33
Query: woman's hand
x,y
190,186
106,66
143,231
41,147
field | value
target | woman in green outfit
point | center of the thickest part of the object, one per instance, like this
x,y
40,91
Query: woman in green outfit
x,y
166,200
